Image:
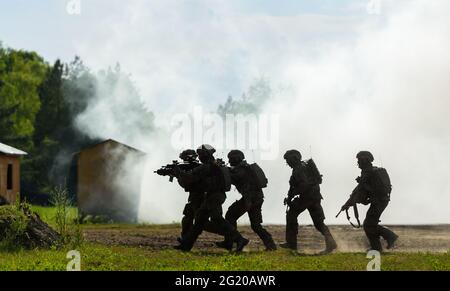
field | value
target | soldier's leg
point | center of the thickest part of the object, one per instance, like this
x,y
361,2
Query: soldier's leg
x,y
256,220
236,210
189,213
213,228
371,227
297,206
214,204
318,217
201,219
385,232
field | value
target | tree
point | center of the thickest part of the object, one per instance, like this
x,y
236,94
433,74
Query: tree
x,y
251,101
21,73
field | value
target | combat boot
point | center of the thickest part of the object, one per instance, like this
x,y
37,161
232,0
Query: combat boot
x,y
182,248
225,245
241,243
271,246
391,241
330,245
288,246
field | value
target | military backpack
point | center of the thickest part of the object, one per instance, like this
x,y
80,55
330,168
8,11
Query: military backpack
x,y
312,172
258,176
382,182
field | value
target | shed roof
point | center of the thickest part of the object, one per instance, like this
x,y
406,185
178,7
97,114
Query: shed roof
x,y
8,150
111,141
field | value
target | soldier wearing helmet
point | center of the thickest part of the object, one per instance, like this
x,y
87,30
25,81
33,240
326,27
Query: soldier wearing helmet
x,y
303,195
374,185
211,176
251,201
196,194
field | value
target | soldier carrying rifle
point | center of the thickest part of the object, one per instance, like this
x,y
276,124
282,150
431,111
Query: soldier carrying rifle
x,y
215,179
304,193
196,191
249,180
374,188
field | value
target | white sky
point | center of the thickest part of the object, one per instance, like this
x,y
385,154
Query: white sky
x,y
361,77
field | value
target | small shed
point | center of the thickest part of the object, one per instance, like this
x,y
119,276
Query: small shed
x,y
105,179
9,173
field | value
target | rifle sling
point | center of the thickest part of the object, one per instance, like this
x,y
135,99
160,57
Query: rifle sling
x,y
355,211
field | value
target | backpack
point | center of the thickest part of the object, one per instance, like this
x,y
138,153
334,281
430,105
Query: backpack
x,y
259,178
222,176
312,172
382,182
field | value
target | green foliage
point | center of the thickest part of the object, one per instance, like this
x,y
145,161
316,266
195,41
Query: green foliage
x,y
251,102
39,106
21,73
69,229
13,224
48,214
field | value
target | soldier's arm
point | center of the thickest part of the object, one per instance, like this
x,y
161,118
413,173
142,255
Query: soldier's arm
x,y
299,183
238,176
189,177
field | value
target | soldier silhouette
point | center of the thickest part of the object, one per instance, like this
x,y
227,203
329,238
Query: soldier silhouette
x,y
304,194
374,188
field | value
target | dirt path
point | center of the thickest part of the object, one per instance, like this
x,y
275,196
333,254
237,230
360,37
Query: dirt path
x,y
432,238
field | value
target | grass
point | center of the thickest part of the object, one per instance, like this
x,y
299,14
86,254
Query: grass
x,y
97,257
48,214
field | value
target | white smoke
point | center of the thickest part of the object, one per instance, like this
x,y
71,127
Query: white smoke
x,y
362,82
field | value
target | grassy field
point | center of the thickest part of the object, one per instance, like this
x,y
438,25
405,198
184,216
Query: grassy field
x,y
48,213
98,256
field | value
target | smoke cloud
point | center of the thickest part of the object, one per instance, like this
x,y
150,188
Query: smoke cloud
x,y
357,81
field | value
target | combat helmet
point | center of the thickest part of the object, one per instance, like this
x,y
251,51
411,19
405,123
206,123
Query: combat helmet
x,y
236,153
365,155
206,148
293,153
188,155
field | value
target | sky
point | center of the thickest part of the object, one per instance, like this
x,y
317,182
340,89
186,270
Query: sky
x,y
352,75
106,32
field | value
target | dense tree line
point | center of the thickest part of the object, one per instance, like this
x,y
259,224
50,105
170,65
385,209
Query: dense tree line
x,y
39,103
